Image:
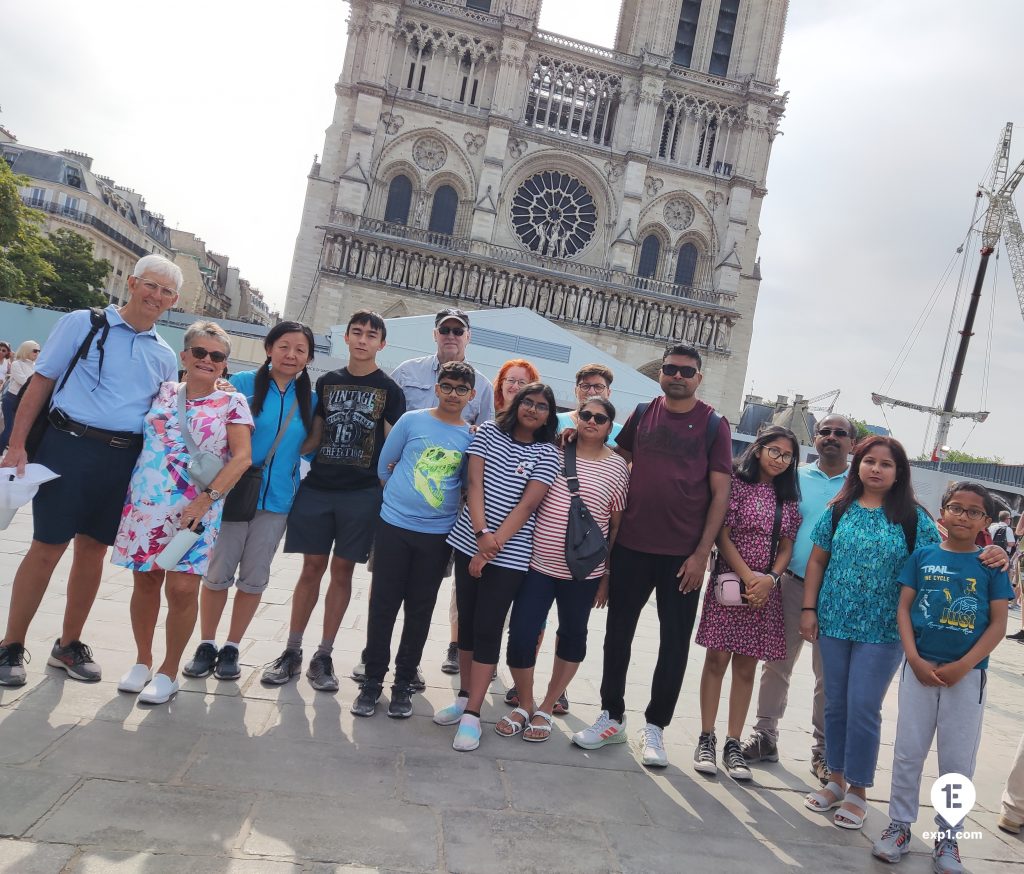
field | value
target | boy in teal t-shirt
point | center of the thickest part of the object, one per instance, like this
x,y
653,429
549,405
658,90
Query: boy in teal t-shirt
x,y
952,614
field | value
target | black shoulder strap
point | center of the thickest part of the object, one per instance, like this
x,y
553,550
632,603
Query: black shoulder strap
x,y
569,468
776,531
837,514
638,413
714,420
910,532
97,320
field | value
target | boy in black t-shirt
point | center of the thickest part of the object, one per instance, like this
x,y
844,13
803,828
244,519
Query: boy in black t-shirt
x,y
339,500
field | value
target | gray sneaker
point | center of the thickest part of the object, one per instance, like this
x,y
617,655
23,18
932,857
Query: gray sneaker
x,y
287,665
76,659
419,684
12,664
320,673
894,843
366,703
450,665
760,747
946,857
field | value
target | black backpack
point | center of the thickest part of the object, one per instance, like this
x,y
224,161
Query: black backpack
x,y
1001,537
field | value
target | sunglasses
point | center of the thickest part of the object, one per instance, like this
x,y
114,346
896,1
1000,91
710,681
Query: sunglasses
x,y
445,331
199,353
829,432
541,408
685,370
586,416
447,388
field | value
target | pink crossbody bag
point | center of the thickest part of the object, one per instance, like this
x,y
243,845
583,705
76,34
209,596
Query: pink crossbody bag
x,y
730,590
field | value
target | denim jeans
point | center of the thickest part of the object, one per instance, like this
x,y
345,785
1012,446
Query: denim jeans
x,y
857,676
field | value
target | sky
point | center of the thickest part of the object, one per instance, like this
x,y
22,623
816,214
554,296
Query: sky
x,y
214,111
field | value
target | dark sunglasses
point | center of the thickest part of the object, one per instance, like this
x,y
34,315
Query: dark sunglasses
x,y
829,432
200,353
686,370
445,331
447,388
600,418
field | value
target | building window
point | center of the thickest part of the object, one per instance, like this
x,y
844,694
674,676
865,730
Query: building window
x,y
71,205
399,201
418,68
469,82
686,264
482,5
686,33
443,210
722,47
553,214
650,251
37,197
573,100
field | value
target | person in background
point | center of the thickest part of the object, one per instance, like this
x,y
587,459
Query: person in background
x,y
22,366
281,400
512,376
5,361
1002,533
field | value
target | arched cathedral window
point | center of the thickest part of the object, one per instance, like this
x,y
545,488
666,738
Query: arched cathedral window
x,y
443,210
650,252
399,200
686,264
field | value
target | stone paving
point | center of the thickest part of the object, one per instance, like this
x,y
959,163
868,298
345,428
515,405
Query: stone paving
x,y
235,778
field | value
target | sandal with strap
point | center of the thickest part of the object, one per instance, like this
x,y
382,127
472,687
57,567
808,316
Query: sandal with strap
x,y
817,801
545,729
561,705
514,727
847,818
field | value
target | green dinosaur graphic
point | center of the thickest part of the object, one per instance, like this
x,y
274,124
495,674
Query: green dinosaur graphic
x,y
432,467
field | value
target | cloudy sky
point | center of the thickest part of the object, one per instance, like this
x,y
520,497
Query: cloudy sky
x,y
214,111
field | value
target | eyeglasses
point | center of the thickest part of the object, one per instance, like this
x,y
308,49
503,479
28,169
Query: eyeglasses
x,y
591,388
685,370
199,353
151,286
776,453
838,432
513,380
447,388
972,513
541,407
444,331
600,418
34,351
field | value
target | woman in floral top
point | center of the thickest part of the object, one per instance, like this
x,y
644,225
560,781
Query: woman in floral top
x,y
850,598
163,499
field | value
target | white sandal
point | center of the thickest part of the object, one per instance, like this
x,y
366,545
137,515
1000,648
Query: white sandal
x,y
545,729
517,727
817,802
847,818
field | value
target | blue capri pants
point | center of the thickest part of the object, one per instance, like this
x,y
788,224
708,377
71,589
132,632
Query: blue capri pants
x,y
538,592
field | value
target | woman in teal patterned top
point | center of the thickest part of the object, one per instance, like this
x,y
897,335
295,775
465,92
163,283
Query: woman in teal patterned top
x,y
850,599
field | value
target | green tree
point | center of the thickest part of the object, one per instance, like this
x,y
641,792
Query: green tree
x,y
79,277
957,455
861,427
24,251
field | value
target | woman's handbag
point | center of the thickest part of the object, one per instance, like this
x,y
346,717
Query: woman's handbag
x,y
203,466
242,501
729,588
585,544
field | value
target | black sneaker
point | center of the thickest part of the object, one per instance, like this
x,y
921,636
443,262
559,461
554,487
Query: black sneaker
x,y
366,703
419,684
1019,636
704,757
401,702
320,673
76,659
203,662
12,664
760,747
450,665
227,664
733,761
279,672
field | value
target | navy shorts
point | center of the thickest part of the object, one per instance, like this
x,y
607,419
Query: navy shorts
x,y
89,495
346,520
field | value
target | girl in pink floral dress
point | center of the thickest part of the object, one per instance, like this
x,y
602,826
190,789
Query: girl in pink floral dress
x,y
764,485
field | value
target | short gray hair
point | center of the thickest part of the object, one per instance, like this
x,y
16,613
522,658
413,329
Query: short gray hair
x,y
207,329
159,265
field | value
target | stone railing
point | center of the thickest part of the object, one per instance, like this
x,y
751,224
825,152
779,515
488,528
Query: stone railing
x,y
586,48
478,278
456,8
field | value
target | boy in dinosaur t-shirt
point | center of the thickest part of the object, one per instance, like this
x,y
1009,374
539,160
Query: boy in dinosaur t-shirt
x,y
422,466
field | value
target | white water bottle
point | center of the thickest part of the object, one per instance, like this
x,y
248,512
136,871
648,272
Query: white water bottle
x,y
177,546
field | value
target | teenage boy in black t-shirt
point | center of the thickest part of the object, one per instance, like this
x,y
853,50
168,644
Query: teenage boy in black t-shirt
x,y
339,500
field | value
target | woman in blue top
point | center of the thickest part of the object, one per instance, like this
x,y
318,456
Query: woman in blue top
x,y
851,593
281,399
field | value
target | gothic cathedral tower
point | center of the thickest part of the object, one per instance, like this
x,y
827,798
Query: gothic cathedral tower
x,y
476,160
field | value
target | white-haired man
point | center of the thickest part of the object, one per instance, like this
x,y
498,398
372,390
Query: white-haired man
x,y
97,377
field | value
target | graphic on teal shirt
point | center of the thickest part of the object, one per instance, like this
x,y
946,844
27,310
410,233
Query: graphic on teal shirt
x,y
432,468
955,614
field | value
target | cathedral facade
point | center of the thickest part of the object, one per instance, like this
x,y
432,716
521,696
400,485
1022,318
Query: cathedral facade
x,y
476,160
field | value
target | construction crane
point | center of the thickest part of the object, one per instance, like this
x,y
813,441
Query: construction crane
x,y
830,396
1001,221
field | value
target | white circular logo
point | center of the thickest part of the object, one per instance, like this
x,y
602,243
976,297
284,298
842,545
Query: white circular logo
x,y
953,796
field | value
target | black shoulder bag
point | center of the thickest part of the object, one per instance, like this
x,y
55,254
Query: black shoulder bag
x,y
585,544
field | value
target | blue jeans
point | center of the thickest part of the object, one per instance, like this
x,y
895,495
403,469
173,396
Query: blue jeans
x,y
533,601
857,676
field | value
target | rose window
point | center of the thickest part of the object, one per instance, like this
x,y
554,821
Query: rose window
x,y
554,214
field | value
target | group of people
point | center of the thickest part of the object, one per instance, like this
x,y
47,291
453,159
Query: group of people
x,y
194,481
16,368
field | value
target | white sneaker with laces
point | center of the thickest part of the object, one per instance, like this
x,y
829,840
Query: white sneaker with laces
x,y
160,690
605,731
135,680
652,747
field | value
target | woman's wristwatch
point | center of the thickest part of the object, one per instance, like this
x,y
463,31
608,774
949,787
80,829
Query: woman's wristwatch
x,y
213,493
775,578
482,532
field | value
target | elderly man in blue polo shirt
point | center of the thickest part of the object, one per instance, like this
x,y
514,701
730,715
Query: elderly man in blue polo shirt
x,y
93,440
820,482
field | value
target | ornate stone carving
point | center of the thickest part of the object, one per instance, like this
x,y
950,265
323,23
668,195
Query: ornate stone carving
x,y
392,123
678,213
516,148
652,186
714,199
613,171
429,153
554,214
474,142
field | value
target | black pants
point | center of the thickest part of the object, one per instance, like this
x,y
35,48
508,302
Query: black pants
x,y
408,568
483,605
634,575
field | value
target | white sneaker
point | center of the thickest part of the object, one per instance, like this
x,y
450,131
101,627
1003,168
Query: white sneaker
x,y
652,747
135,680
159,691
605,731
467,738
451,714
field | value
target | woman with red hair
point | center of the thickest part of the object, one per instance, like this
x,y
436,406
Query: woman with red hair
x,y
513,376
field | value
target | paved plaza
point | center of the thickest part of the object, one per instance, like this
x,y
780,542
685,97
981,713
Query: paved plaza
x,y
235,778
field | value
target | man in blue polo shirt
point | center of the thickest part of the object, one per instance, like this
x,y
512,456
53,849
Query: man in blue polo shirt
x,y
820,482
93,440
